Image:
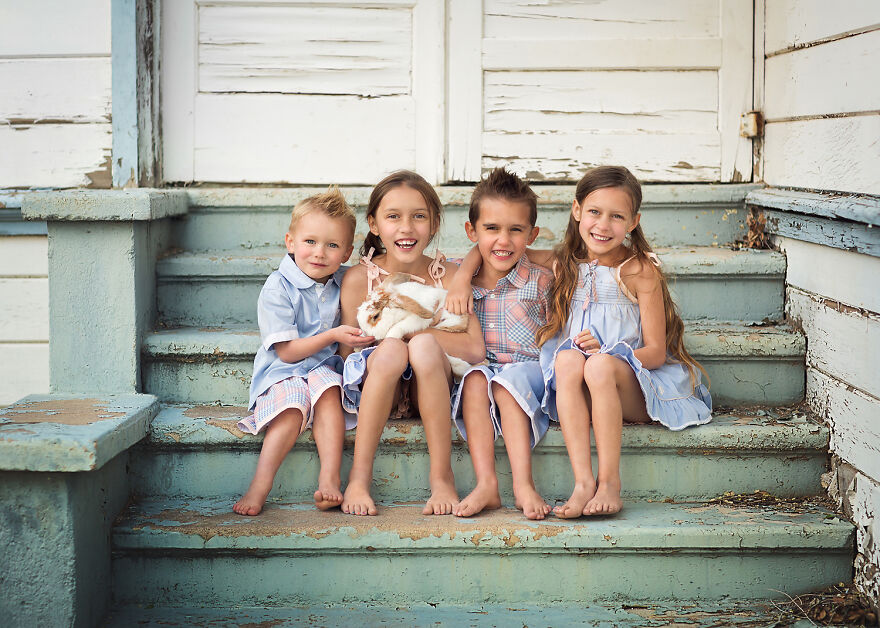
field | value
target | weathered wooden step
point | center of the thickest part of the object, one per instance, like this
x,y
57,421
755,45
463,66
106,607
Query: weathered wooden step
x,y
171,552
221,287
228,218
747,364
196,451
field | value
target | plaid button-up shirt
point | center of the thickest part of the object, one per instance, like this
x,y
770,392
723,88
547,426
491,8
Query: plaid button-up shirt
x,y
513,312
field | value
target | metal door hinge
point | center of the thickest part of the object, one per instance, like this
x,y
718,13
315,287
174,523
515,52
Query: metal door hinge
x,y
751,124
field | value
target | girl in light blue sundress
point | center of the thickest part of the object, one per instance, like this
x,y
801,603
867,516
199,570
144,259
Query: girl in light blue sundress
x,y
612,348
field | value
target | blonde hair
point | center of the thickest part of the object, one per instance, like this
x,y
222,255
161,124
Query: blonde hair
x,y
573,250
330,203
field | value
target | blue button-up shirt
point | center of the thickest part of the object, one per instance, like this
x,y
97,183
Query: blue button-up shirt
x,y
293,305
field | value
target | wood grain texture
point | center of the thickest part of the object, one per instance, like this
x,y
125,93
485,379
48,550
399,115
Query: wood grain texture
x,y
854,237
793,23
465,91
55,28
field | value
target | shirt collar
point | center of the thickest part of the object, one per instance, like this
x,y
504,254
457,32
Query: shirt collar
x,y
517,277
294,274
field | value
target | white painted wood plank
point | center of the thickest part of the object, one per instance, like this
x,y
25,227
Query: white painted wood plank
x,y
853,416
464,90
842,344
429,91
24,256
797,22
302,139
824,154
831,78
308,49
853,276
651,157
55,155
55,27
58,89
581,101
601,54
758,87
24,370
24,309
600,19
178,88
735,88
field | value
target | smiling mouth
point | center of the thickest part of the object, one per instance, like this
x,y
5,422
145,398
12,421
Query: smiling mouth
x,y
502,254
405,244
600,238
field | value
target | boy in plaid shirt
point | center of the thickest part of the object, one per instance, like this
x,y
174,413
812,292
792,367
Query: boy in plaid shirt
x,y
510,301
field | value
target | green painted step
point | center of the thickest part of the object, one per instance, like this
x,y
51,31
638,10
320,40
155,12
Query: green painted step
x,y
698,614
229,218
221,287
196,451
747,364
173,552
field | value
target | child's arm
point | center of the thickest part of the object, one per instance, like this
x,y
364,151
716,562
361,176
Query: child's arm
x,y
645,284
460,299
301,348
352,294
468,345
541,257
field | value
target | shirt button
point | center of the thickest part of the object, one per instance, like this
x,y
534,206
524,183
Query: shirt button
x,y
323,299
491,296
492,325
326,325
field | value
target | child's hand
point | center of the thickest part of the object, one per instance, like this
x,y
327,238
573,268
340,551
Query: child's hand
x,y
587,342
351,337
460,299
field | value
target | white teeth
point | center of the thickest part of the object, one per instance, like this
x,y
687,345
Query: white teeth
x,y
502,253
406,243
600,238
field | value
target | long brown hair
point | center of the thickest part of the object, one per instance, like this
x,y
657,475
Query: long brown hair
x,y
573,250
395,180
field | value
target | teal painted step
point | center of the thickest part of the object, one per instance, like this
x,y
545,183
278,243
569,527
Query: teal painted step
x,y
221,287
177,553
699,614
747,364
196,451
229,218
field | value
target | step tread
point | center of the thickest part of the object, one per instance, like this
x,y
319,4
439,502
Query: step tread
x,y
742,430
257,263
176,524
703,338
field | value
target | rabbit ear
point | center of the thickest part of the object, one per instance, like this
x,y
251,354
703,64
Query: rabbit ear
x,y
395,279
411,305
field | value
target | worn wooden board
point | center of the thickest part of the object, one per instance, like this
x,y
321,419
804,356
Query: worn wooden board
x,y
826,79
840,342
465,93
54,28
24,370
24,309
793,23
55,90
824,154
853,416
24,256
302,139
854,237
601,19
856,207
55,155
852,282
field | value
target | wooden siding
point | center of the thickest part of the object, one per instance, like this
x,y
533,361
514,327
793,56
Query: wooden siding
x,y
55,101
822,110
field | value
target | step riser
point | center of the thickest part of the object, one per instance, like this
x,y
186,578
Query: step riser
x,y
735,381
402,474
664,225
461,577
218,301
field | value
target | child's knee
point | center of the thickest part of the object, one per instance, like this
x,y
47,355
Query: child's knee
x,y
475,384
569,365
389,358
425,352
329,401
600,370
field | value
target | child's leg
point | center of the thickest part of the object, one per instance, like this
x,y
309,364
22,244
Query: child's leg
x,y
328,430
516,427
280,436
432,377
384,367
481,444
615,391
574,418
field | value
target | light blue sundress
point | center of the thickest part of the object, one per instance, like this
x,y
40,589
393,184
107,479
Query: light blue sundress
x,y
602,304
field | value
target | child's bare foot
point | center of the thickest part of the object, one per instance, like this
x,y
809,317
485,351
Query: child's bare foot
x,y
530,502
484,497
576,504
327,498
444,497
251,503
357,500
606,501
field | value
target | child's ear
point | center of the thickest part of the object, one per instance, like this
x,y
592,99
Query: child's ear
x,y
471,231
576,210
288,242
371,223
533,235
348,253
635,222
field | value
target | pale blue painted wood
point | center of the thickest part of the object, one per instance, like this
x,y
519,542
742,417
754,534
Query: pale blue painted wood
x,y
124,93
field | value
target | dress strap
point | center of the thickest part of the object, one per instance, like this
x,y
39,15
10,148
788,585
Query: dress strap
x,y
617,271
591,273
437,270
373,271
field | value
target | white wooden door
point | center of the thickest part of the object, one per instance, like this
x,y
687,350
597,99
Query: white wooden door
x,y
552,87
270,91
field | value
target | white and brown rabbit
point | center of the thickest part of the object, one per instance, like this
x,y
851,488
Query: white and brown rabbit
x,y
400,307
